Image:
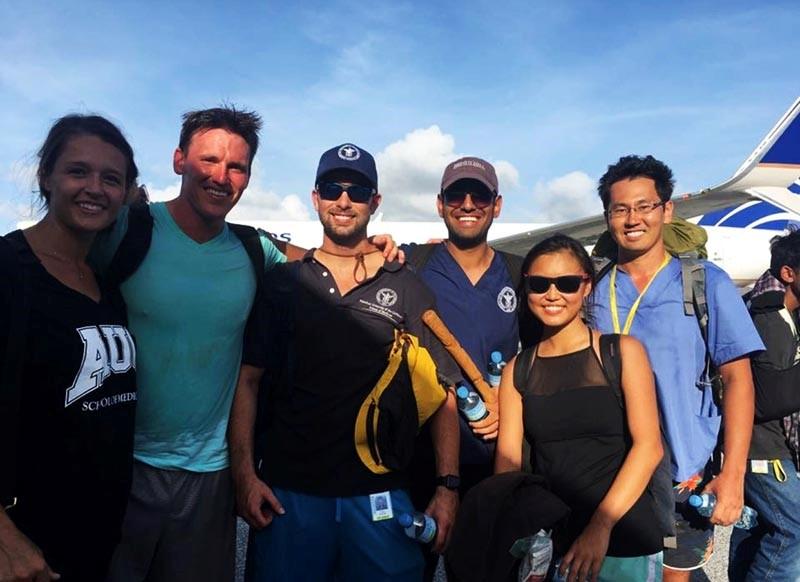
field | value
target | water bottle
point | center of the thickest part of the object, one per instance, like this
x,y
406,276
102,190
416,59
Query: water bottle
x,y
496,365
470,404
704,504
536,552
418,526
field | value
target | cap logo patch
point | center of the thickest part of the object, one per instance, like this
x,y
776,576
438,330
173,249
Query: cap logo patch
x,y
386,297
472,163
507,299
349,152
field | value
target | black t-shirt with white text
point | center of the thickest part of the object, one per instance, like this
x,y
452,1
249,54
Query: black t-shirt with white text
x,y
75,438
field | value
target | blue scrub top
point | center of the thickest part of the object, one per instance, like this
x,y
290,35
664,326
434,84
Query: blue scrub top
x,y
677,352
483,318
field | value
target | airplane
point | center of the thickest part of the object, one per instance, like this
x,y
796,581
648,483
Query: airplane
x,y
741,215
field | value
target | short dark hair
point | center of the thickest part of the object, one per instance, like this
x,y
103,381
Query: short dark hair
x,y
630,167
785,251
530,328
75,125
243,123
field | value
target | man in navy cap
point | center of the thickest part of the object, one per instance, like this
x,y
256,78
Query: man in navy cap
x,y
324,500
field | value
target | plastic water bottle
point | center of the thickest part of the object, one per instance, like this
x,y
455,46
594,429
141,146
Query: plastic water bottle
x,y
470,404
704,504
536,552
496,365
418,526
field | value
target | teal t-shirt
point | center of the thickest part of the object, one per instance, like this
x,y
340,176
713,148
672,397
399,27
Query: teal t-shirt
x,y
187,308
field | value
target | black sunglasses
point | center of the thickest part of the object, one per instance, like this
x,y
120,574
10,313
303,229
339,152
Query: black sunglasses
x,y
455,198
331,191
565,283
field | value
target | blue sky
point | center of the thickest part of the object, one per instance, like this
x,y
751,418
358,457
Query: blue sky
x,y
551,91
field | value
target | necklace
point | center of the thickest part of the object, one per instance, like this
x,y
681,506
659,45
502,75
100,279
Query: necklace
x,y
359,257
63,259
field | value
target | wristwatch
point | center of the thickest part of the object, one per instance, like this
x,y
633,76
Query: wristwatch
x,y
451,482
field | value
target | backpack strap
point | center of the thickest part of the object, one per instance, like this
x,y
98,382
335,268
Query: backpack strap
x,y
420,255
10,381
134,245
602,265
612,363
514,265
251,241
522,368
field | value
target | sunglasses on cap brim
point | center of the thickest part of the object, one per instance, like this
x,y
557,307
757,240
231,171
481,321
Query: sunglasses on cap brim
x,y
565,283
456,197
331,191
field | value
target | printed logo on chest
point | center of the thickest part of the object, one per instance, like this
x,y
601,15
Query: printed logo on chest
x,y
507,299
107,350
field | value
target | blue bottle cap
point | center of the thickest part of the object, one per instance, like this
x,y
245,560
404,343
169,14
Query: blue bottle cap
x,y
497,357
695,500
405,519
462,392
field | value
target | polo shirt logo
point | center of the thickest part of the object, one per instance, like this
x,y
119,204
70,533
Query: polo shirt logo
x,y
507,299
386,297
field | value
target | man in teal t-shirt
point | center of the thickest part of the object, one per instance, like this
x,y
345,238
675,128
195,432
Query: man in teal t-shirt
x,y
188,302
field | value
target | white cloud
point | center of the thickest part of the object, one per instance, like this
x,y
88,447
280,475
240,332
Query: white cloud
x,y
410,173
567,197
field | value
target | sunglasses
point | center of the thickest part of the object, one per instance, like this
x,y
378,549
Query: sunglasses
x,y
565,283
331,191
455,198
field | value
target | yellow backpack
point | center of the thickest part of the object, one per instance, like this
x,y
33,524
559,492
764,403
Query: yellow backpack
x,y
407,394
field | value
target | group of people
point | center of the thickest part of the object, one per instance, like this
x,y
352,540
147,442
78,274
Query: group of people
x,y
164,370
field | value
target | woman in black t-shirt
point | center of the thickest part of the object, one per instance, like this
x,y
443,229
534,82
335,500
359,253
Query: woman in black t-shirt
x,y
67,390
597,456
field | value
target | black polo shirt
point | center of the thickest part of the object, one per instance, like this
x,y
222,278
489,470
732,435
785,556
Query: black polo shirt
x,y
323,352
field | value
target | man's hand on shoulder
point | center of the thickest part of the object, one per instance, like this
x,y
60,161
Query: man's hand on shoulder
x,y
388,247
256,502
443,508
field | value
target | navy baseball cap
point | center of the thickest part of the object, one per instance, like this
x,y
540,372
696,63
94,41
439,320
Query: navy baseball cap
x,y
349,157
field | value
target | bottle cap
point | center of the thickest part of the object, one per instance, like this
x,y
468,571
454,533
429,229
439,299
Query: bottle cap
x,y
405,519
497,357
462,392
695,500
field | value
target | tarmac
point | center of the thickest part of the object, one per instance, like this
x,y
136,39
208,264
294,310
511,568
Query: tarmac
x,y
714,571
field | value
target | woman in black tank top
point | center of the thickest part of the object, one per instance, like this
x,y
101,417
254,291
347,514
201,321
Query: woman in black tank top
x,y
597,455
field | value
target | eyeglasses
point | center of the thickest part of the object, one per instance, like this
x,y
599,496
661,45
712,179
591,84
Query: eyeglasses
x,y
331,191
455,198
565,283
642,209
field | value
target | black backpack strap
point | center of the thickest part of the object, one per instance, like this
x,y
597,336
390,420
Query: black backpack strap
x,y
612,363
10,381
602,265
134,245
419,255
251,241
522,368
514,266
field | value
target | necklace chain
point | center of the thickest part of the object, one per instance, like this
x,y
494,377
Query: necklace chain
x,y
64,259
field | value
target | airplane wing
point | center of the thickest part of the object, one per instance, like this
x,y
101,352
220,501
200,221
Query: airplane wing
x,y
769,176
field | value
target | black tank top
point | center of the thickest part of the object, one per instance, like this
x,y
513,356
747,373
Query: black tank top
x,y
579,439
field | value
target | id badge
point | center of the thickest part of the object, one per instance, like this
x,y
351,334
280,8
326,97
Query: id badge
x,y
759,467
381,505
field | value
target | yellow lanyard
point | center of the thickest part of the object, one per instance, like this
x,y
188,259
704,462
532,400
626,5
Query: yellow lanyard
x,y
613,298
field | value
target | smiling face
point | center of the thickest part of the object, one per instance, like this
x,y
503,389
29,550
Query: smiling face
x,y
344,222
637,233
468,209
555,308
87,184
215,170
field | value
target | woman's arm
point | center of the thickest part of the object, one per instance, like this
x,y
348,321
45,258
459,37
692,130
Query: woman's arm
x,y
586,555
508,454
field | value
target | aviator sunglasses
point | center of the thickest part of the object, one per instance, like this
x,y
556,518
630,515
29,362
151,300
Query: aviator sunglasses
x,y
455,198
565,283
331,191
